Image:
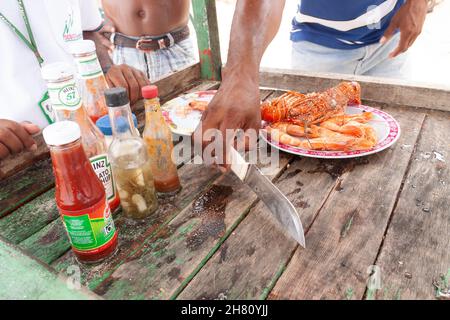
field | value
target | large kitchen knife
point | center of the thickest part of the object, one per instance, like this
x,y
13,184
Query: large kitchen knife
x,y
273,198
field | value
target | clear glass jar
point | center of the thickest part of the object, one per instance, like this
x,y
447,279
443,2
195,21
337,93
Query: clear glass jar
x,y
129,158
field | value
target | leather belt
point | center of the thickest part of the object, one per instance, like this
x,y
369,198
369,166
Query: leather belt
x,y
147,43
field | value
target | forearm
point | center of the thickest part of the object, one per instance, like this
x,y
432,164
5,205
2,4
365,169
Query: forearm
x,y
102,52
255,24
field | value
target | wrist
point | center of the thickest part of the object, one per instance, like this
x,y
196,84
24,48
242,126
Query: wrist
x,y
241,74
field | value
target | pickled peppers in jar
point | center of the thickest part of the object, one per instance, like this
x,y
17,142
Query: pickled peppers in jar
x,y
129,158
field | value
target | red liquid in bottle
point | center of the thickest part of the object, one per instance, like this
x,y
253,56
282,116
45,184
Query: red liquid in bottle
x,y
81,200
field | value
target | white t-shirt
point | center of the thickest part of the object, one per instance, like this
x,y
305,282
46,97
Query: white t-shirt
x,y
55,24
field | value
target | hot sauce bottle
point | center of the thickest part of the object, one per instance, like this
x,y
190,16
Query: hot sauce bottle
x,y
80,196
92,82
129,158
67,105
158,137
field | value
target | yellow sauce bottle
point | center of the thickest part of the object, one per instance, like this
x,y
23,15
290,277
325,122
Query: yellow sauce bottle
x,y
158,138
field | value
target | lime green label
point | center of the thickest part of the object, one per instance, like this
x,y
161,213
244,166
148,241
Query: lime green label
x,y
91,230
64,95
89,67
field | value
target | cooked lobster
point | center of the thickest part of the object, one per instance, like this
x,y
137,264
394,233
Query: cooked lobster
x,y
312,108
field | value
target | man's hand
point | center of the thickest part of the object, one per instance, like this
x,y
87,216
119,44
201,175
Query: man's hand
x,y
103,39
16,137
235,106
409,20
128,77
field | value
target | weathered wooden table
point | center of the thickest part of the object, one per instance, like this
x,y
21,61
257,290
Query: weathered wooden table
x,y
389,210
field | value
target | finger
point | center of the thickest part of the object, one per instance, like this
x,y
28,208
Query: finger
x,y
31,128
19,132
412,40
140,77
11,141
116,78
4,151
108,28
390,31
402,45
107,43
133,85
228,136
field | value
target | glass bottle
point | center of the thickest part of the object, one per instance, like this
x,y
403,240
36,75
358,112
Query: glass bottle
x,y
79,195
92,82
158,137
129,158
67,105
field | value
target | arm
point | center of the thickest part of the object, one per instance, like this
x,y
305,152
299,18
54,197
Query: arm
x,y
237,103
409,20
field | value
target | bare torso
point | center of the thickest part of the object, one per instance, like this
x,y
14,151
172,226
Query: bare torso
x,y
147,17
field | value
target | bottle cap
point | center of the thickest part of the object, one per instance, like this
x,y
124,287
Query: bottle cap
x,y
150,92
116,97
57,71
104,124
61,133
82,47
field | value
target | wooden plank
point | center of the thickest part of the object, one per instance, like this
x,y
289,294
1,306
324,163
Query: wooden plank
x,y
243,268
206,27
132,236
344,239
22,277
415,257
25,186
388,91
175,83
29,218
163,267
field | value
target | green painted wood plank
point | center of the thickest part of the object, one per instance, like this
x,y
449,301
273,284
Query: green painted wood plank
x,y
49,243
205,24
29,219
22,277
25,186
166,264
132,236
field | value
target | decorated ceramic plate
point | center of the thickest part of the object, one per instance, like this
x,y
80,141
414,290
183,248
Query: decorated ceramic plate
x,y
183,113
386,127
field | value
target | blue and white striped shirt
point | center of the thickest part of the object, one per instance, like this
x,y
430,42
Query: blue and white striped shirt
x,y
343,24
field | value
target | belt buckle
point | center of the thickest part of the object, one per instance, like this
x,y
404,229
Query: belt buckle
x,y
142,42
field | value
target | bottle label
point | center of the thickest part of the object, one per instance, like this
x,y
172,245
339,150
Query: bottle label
x,y
102,168
64,95
89,67
91,228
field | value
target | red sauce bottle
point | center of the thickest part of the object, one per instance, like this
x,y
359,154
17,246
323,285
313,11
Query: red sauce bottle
x,y
80,196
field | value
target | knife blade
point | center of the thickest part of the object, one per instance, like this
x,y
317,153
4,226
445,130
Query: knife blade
x,y
282,209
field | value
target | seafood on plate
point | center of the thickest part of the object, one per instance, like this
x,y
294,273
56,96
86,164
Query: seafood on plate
x,y
183,111
318,121
349,137
314,107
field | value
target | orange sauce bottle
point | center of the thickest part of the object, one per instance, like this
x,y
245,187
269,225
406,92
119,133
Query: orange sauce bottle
x,y
158,137
92,82
80,196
